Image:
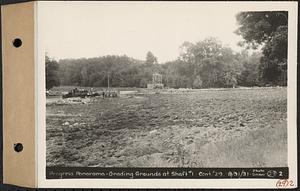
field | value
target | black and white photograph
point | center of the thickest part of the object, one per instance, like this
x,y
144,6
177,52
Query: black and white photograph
x,y
169,84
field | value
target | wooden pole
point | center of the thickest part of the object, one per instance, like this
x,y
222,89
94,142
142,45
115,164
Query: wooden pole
x,y
108,80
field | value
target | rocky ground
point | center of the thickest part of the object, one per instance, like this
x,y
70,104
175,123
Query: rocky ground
x,y
170,128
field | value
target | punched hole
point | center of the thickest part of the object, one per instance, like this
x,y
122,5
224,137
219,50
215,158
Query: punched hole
x,y
17,42
18,147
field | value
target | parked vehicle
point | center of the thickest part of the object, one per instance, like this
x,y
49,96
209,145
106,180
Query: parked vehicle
x,y
76,93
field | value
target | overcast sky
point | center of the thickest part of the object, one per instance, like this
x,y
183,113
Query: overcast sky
x,y
92,29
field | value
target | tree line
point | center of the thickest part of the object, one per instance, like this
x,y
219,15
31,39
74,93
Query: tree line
x,y
204,64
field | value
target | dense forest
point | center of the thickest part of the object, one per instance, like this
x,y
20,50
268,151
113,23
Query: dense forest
x,y
203,64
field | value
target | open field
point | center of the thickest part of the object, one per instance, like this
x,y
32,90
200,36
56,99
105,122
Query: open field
x,y
170,128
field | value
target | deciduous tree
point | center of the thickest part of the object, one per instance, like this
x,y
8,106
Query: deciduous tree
x,y
268,29
52,77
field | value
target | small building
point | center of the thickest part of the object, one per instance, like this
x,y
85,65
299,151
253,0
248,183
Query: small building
x,y
156,82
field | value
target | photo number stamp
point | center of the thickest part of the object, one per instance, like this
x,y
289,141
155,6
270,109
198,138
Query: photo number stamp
x,y
285,183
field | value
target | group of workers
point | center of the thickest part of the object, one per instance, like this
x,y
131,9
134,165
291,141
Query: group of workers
x,y
106,94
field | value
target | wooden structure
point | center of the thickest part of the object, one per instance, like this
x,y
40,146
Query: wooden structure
x,y
156,82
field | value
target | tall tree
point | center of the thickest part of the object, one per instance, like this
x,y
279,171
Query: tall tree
x,y
268,29
150,58
210,64
52,77
250,74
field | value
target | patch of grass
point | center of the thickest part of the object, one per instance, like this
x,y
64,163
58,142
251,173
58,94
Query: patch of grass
x,y
259,148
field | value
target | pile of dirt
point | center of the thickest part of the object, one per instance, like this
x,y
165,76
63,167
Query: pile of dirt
x,y
69,101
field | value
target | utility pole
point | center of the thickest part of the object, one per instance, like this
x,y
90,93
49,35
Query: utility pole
x,y
108,80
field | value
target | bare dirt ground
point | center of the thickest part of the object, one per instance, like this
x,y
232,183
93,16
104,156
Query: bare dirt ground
x,y
170,128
